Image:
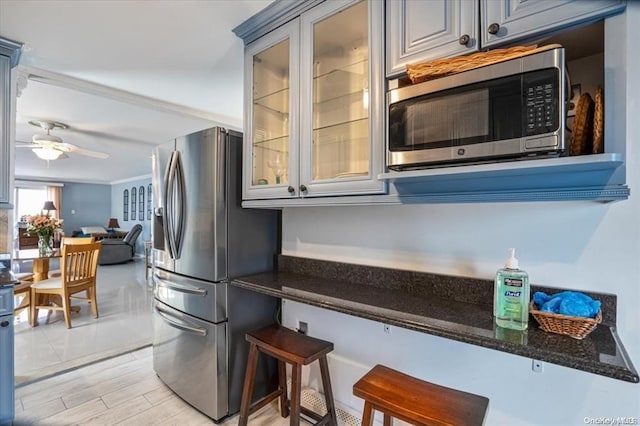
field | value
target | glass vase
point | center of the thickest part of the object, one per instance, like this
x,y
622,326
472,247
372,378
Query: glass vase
x,y
45,245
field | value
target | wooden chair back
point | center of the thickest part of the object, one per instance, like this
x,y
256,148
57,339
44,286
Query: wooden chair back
x,y
79,265
77,240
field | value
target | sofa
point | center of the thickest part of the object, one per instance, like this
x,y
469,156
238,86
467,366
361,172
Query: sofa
x,y
116,251
98,233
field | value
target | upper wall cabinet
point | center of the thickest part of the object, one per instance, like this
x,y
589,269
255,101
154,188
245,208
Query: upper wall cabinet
x,y
508,20
420,31
314,104
9,54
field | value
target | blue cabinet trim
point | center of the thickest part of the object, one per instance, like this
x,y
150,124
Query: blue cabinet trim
x,y
593,177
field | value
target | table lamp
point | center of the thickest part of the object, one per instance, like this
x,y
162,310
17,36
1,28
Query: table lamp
x,y
113,224
48,206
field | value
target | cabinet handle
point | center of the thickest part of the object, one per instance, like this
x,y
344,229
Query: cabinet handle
x,y
291,189
494,28
303,188
464,39
4,324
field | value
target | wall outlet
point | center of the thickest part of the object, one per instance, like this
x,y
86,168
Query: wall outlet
x,y
303,327
537,366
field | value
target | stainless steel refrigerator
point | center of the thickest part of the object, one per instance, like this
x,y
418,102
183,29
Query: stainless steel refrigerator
x,y
202,237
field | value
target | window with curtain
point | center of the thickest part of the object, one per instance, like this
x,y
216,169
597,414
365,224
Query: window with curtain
x,y
54,193
30,198
29,201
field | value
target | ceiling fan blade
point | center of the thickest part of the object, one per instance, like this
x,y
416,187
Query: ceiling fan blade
x,y
67,147
88,153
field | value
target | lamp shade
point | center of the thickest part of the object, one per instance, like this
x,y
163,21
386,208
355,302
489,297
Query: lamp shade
x,y
48,205
113,223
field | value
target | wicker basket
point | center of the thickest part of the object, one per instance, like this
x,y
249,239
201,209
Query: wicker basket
x,y
442,67
576,327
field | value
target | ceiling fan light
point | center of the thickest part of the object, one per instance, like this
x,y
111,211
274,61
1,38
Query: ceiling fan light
x,y
47,153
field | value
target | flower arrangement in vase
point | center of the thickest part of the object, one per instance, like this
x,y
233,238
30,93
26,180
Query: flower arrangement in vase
x,y
44,227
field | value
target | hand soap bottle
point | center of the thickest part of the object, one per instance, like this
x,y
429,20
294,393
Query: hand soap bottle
x,y
511,295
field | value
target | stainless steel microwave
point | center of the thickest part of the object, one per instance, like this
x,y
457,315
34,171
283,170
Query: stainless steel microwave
x,y
511,109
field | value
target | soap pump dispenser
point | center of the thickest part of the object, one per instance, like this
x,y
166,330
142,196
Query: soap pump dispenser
x,y
511,295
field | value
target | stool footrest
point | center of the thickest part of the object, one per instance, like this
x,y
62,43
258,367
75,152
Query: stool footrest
x,y
264,401
315,416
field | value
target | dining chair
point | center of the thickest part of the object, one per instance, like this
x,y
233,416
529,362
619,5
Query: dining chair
x,y
22,289
79,264
70,240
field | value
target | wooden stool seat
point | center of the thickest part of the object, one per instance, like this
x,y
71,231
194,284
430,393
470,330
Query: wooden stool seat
x,y
415,401
287,346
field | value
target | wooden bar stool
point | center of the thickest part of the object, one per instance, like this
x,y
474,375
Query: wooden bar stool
x,y
415,401
287,346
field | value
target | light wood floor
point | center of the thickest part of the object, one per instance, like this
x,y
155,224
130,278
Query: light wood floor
x,y
120,391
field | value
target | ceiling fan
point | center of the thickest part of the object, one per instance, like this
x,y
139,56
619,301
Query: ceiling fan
x,y
50,147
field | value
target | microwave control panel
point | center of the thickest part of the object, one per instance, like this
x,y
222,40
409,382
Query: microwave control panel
x,y
541,107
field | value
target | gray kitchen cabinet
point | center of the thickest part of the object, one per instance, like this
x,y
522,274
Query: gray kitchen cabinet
x,y
510,20
9,54
314,101
420,31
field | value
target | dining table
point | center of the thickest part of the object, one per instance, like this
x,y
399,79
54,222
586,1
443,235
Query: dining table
x,y
40,262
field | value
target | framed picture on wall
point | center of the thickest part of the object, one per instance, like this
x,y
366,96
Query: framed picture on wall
x,y
133,203
141,203
125,205
149,201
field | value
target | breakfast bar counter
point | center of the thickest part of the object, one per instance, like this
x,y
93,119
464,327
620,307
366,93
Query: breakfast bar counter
x,y
456,308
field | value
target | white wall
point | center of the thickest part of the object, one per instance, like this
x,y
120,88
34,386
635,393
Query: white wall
x,y
579,245
117,209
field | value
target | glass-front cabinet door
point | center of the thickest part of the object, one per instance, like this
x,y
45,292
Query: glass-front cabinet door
x,y
314,104
341,82
271,115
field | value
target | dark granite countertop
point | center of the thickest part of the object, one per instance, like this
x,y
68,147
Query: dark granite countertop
x,y
456,308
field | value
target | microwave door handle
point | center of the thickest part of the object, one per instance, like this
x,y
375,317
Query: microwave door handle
x,y
182,206
169,320
168,204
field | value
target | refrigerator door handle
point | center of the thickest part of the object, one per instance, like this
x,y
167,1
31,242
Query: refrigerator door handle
x,y
182,193
169,320
180,287
168,203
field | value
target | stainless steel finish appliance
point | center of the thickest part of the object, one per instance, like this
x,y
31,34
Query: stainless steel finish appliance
x,y
202,238
511,109
7,281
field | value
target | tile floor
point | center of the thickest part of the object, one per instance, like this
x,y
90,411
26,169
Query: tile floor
x,y
123,390
124,324
100,372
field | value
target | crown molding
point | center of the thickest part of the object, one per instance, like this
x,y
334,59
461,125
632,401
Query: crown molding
x,y
62,80
131,179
